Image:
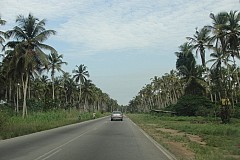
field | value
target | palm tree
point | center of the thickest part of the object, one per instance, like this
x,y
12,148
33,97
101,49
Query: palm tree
x,y
226,33
200,41
2,22
190,72
70,87
55,62
81,75
88,92
233,33
185,57
30,35
219,30
217,59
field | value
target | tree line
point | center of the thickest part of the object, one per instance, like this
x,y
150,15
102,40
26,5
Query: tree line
x,y
216,79
26,63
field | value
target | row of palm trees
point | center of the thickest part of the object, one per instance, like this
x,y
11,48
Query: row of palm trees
x,y
216,78
25,62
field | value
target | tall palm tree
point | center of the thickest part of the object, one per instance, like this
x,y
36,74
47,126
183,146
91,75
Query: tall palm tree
x,y
69,86
226,33
29,35
217,59
55,62
80,76
200,41
190,72
88,92
233,33
218,29
185,57
2,22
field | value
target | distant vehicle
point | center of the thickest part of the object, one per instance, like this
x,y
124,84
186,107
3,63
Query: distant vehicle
x,y
116,115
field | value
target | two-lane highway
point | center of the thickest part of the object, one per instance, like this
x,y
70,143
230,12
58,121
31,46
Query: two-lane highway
x,y
99,139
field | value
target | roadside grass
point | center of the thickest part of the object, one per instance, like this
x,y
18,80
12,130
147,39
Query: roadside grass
x,y
214,141
16,125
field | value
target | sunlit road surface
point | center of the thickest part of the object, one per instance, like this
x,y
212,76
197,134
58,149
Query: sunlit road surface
x,y
99,139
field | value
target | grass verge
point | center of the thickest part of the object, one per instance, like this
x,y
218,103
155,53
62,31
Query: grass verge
x,y
14,126
195,138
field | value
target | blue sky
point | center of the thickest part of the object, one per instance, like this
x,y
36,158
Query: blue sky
x,y
123,43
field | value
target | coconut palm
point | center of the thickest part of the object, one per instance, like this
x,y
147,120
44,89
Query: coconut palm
x,y
185,58
2,22
70,87
80,76
233,33
200,41
29,35
55,62
88,92
190,72
218,29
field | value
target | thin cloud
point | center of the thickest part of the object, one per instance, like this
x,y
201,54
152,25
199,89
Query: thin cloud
x,y
111,25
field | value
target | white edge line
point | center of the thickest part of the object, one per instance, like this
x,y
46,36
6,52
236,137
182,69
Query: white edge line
x,y
59,147
160,147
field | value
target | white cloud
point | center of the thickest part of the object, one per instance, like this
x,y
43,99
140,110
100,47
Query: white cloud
x,y
137,24
110,25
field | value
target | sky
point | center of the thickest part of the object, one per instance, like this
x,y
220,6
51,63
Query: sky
x,y
123,43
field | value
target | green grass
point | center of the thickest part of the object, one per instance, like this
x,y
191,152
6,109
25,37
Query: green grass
x,y
14,126
223,140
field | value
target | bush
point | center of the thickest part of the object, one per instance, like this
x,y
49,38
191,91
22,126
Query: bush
x,y
5,112
2,119
236,111
190,105
42,105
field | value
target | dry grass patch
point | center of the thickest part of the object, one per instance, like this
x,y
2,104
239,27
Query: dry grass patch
x,y
179,149
187,140
173,132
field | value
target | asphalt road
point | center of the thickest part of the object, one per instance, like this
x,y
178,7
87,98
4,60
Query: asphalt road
x,y
99,139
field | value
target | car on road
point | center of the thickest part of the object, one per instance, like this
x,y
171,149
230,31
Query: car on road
x,y
116,115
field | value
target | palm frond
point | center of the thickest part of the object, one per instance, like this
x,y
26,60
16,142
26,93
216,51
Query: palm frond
x,y
44,35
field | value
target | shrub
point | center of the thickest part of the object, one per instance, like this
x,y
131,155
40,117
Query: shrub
x,y
190,105
5,112
35,105
236,111
42,105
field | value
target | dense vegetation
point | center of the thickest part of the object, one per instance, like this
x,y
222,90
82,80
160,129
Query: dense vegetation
x,y
216,79
27,91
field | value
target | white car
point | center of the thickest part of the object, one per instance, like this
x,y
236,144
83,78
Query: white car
x,y
117,115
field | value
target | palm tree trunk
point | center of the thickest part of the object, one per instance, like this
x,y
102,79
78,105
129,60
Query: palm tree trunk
x,y
53,88
85,102
25,86
10,91
29,91
17,107
237,79
79,98
219,94
6,94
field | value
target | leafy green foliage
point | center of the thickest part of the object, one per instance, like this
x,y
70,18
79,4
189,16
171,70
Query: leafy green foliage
x,y
6,112
190,105
3,119
236,111
46,105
